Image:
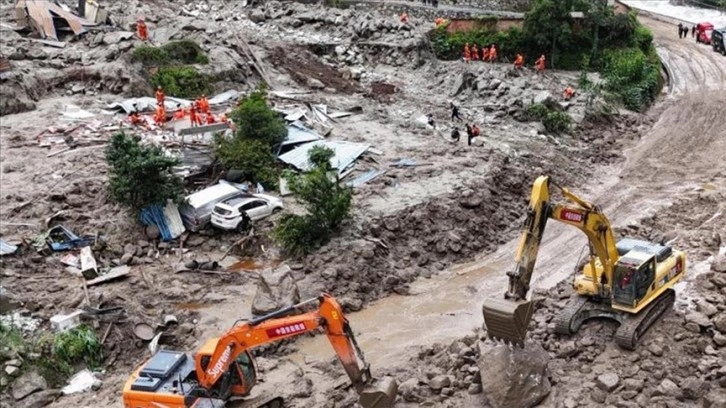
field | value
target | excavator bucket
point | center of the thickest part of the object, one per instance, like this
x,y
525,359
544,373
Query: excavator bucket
x,y
380,395
507,320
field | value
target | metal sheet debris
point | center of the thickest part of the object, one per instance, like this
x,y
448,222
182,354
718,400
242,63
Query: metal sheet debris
x,y
41,15
75,112
115,273
166,218
81,381
7,248
215,127
60,238
345,154
297,133
365,177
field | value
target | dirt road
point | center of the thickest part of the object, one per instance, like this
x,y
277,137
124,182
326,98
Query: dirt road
x,y
683,151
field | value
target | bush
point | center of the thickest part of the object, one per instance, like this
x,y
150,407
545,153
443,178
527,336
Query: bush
x,y
255,120
557,122
633,76
78,345
536,111
253,158
327,204
182,82
451,46
175,52
141,175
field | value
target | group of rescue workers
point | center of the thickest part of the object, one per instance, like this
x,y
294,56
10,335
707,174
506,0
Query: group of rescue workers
x,y
198,112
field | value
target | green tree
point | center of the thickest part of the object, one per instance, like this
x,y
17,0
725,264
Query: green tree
x,y
141,175
255,120
252,148
326,201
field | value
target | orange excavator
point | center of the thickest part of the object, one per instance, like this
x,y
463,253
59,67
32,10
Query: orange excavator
x,y
223,370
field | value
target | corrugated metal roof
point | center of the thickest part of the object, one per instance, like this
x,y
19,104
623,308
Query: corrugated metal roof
x,y
345,154
297,133
40,13
173,220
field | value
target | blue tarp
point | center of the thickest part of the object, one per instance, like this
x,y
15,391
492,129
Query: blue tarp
x,y
170,225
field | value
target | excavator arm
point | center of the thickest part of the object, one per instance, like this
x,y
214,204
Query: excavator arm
x,y
507,319
281,325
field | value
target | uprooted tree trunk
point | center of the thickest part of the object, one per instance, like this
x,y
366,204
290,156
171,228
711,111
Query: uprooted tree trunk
x,y
275,289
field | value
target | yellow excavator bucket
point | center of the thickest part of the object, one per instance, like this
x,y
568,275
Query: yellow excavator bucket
x,y
507,320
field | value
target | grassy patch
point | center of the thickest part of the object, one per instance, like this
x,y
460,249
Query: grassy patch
x,y
182,82
554,121
173,53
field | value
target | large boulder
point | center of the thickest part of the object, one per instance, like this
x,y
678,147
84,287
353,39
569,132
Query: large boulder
x,y
513,377
275,289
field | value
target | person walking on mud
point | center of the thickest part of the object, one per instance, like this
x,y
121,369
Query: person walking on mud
x,y
680,30
693,31
455,135
455,112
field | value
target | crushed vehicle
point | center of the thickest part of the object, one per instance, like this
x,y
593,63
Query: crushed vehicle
x,y
196,211
235,213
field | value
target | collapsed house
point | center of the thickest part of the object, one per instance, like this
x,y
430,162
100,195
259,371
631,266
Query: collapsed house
x,y
51,19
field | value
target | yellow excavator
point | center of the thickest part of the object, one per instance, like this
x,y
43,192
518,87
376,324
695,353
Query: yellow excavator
x,y
629,281
223,372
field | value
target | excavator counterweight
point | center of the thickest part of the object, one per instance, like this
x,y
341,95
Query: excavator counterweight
x,y
507,320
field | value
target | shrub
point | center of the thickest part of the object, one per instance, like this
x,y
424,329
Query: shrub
x,y
141,175
557,122
633,76
536,111
259,130
150,56
326,201
175,52
182,82
255,120
78,345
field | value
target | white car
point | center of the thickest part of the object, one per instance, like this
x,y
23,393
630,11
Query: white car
x,y
228,214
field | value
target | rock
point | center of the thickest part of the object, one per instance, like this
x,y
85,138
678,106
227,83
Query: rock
x,y
470,200
544,98
720,323
693,388
275,290
14,362
494,84
514,377
12,371
77,88
41,399
719,263
698,318
439,382
315,83
655,350
126,258
474,389
257,16
152,232
632,384
447,391
719,340
409,390
608,381
114,37
27,384
667,388
567,349
329,273
715,399
706,308
465,81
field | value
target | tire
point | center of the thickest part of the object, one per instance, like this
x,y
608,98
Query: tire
x,y
243,225
276,210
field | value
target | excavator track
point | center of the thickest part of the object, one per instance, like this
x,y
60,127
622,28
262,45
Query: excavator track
x,y
634,326
564,320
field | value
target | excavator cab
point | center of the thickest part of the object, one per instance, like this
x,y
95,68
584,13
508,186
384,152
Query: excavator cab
x,y
631,281
239,378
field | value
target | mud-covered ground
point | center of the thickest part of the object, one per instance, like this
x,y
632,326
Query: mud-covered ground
x,y
462,204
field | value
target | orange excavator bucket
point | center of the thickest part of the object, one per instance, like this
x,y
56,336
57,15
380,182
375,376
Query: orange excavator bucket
x,y
507,320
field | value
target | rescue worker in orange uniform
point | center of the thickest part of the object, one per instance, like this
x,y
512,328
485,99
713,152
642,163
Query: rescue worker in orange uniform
x,y
210,118
519,61
492,53
539,65
204,104
141,29
475,53
179,114
160,96
404,17
485,53
160,116
467,53
135,119
568,93
193,115
223,118
439,22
